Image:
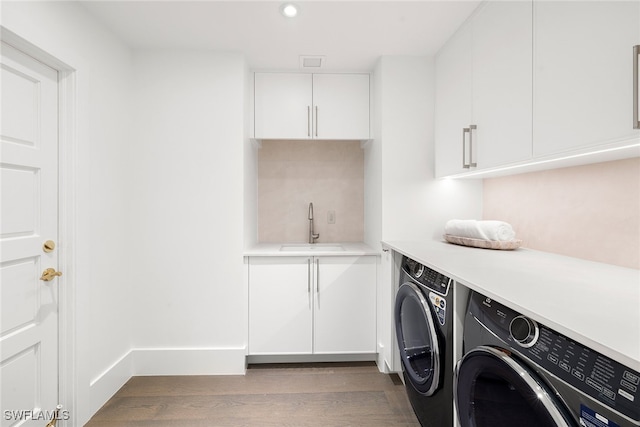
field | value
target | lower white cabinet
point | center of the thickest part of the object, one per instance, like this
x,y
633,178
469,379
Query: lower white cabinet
x,y
280,306
312,305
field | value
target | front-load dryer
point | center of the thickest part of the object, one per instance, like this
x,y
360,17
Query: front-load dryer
x,y
424,331
518,372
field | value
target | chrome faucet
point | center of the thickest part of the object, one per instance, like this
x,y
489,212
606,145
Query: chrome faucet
x,y
312,236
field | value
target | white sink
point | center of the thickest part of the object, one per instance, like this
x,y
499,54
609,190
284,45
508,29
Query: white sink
x,y
316,247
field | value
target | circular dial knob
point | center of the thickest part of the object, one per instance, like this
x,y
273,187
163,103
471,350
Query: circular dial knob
x,y
417,270
524,331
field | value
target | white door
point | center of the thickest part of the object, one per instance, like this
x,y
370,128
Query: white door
x,y
29,218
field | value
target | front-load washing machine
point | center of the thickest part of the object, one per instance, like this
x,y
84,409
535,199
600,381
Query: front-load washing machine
x,y
517,372
424,330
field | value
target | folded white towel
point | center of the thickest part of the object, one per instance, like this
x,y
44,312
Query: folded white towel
x,y
485,230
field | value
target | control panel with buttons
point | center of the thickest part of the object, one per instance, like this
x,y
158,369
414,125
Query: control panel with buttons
x,y
425,276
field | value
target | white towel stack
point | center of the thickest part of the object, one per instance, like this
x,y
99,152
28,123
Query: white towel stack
x,y
484,230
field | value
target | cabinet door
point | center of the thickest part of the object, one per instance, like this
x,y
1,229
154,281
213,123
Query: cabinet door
x,y
341,106
582,77
282,107
280,305
453,102
345,305
502,83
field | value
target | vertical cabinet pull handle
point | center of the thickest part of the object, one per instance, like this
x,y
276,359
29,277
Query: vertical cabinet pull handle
x,y
309,280
316,120
308,275
636,87
465,131
317,282
471,162
309,121
317,276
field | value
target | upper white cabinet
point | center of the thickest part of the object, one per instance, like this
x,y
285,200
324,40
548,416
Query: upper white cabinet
x,y
453,104
502,83
283,104
311,106
484,90
525,83
341,106
583,65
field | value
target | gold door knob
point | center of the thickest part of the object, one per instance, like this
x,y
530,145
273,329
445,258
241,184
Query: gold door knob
x,y
49,274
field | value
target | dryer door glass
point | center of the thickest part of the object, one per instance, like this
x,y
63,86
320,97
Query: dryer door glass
x,y
417,339
495,389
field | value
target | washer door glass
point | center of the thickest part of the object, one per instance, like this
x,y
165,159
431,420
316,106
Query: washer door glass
x,y
494,389
417,339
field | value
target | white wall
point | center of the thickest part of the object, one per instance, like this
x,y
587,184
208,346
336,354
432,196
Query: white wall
x,y
187,217
415,206
373,169
250,169
160,184
100,275
403,200
160,192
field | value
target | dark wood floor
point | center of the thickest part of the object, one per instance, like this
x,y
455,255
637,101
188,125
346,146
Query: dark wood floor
x,y
296,395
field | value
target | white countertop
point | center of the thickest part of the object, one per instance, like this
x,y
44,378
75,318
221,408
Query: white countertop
x,y
593,303
305,249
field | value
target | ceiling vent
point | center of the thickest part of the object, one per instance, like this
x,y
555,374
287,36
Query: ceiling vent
x,y
314,62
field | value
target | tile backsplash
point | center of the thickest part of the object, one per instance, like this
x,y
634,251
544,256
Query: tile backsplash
x,y
590,212
292,174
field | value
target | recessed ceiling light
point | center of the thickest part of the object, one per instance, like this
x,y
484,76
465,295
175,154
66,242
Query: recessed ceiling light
x,y
289,10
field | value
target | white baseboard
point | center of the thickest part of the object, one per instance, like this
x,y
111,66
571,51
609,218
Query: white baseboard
x,y
189,361
108,382
310,358
381,361
164,361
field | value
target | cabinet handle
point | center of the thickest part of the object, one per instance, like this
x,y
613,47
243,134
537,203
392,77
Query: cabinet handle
x,y
309,275
309,121
471,129
316,120
465,131
318,281
317,276
636,87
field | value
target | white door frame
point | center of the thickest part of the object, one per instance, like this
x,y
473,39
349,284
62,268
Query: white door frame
x,y
67,169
